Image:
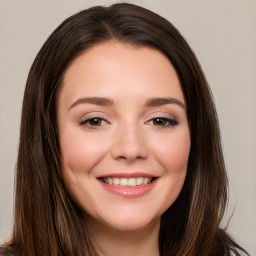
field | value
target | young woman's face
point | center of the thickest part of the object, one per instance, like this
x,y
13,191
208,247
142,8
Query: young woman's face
x,y
124,135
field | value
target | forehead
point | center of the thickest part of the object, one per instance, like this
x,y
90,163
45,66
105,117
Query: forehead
x,y
113,67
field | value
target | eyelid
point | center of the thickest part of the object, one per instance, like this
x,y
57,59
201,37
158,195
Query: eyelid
x,y
170,122
169,118
86,123
90,118
93,115
161,114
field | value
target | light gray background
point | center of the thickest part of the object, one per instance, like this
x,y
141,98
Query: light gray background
x,y
223,36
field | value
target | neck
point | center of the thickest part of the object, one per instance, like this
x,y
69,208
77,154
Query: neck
x,y
113,242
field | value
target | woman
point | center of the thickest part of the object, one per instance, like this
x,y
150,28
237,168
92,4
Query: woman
x,y
119,148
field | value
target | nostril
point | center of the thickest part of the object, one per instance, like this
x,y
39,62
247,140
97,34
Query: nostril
x,y
129,146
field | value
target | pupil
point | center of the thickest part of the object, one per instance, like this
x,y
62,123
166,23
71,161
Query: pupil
x,y
95,121
159,121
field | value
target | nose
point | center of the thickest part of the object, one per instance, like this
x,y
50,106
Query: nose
x,y
129,144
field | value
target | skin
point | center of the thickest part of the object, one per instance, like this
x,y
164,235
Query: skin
x,y
126,138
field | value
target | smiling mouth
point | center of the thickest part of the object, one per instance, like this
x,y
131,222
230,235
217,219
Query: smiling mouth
x,y
127,182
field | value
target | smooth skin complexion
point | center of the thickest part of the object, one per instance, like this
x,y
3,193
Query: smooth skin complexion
x,y
122,119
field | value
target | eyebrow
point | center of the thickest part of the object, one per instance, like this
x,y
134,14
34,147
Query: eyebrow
x,y
94,100
154,102
151,102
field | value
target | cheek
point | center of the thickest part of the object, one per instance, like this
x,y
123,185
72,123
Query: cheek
x,y
80,153
173,152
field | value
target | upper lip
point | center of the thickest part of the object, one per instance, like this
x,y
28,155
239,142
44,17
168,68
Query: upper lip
x,y
127,175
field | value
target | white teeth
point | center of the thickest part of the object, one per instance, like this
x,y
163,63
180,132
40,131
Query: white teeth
x,y
145,181
131,182
123,182
116,181
139,181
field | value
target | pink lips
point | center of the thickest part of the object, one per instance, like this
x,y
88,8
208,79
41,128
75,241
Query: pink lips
x,y
126,191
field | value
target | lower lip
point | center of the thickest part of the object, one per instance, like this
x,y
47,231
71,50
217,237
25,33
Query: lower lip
x,y
129,192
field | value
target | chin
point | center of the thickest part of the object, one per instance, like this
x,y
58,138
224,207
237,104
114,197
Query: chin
x,y
133,224
129,219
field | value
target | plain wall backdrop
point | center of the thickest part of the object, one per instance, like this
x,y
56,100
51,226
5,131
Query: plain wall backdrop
x,y
223,35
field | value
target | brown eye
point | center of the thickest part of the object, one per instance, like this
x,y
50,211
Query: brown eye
x,y
159,121
163,122
93,122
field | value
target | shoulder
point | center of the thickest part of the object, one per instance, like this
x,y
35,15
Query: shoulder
x,y
5,252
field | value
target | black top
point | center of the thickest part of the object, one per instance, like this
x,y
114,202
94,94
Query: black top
x,y
5,252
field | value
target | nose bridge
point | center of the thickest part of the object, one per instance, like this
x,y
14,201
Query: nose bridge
x,y
129,142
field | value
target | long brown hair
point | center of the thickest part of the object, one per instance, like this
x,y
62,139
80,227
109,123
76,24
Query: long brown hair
x,y
47,221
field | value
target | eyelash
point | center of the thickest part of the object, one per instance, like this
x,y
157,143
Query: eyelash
x,y
168,122
86,122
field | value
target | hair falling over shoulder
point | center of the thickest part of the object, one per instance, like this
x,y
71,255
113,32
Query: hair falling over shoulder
x,y
46,220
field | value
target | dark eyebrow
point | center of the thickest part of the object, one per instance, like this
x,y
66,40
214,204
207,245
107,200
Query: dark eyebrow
x,y
154,102
93,100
